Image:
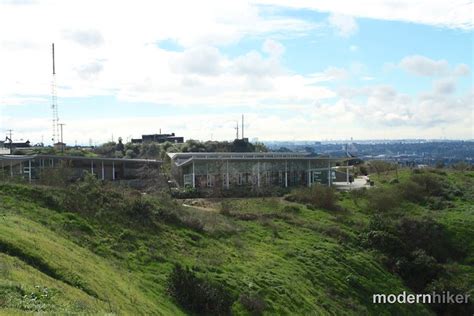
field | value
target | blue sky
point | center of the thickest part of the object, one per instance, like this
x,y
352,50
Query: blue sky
x,y
298,70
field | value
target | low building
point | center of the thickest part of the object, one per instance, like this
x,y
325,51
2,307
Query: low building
x,y
158,138
229,170
14,145
112,169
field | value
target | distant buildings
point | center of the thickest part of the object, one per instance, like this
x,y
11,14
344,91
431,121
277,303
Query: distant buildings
x,y
16,144
158,138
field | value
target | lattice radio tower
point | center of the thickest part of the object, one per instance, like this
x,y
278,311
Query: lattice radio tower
x,y
54,103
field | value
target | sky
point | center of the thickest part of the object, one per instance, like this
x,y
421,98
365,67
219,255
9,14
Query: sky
x,y
297,69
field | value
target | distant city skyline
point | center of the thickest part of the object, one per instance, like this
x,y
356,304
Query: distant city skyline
x,y
298,70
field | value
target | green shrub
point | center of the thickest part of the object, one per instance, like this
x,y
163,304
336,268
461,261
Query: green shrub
x,y
446,284
384,242
317,196
419,270
141,210
198,295
430,236
226,208
186,193
253,303
292,209
430,183
412,191
382,199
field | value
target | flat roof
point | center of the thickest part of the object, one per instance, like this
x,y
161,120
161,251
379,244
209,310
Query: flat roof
x,y
182,159
28,157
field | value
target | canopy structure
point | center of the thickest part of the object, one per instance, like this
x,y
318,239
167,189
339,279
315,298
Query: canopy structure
x,y
227,169
31,166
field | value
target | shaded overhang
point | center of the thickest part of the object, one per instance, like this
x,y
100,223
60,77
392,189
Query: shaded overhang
x,y
183,159
20,158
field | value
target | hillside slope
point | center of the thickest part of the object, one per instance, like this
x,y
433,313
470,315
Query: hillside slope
x,y
95,249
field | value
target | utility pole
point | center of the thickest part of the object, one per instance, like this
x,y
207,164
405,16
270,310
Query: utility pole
x,y
62,140
54,100
242,126
236,130
61,126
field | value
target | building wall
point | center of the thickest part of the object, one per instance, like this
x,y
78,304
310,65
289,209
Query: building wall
x,y
212,173
73,168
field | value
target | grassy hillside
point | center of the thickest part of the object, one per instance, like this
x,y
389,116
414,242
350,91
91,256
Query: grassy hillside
x,y
90,248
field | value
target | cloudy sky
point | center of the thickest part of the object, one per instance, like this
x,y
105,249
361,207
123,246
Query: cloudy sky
x,y
298,69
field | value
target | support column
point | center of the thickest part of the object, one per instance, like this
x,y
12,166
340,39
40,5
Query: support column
x,y
258,174
309,175
286,173
29,170
103,171
329,173
113,170
92,167
194,177
347,172
227,174
208,182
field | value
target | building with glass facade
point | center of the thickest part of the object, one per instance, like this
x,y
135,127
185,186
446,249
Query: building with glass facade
x,y
228,170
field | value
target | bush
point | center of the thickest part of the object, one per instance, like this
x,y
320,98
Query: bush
x,y
253,303
412,191
292,209
454,287
419,270
428,235
381,199
430,183
414,248
384,242
225,208
186,193
198,295
141,210
317,196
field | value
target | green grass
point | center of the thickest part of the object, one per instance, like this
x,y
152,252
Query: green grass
x,y
300,262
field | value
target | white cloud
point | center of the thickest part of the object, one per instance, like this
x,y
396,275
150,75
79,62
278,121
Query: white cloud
x,y
203,60
90,71
427,67
87,38
384,106
450,14
461,70
424,66
334,73
273,48
344,25
101,51
444,86
353,48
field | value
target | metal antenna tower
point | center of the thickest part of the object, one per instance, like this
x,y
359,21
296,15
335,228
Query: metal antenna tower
x,y
54,103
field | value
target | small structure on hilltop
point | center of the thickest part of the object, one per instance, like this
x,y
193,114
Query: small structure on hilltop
x,y
158,138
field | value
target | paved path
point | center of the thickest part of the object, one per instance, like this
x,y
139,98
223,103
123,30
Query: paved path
x,y
359,183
